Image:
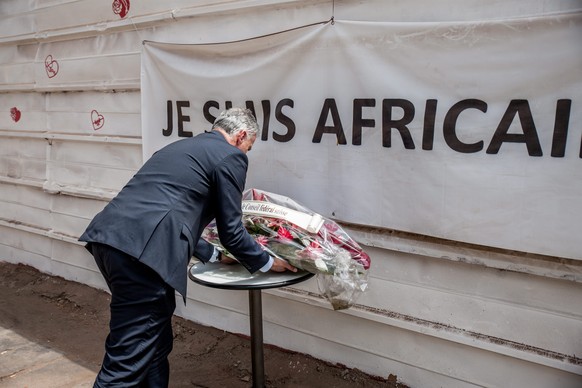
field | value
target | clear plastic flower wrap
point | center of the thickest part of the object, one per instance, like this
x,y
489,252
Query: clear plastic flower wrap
x,y
290,231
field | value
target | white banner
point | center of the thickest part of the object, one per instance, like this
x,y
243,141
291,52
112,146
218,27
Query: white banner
x,y
465,131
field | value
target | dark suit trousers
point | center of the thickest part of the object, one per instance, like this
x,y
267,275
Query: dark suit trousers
x,y
140,337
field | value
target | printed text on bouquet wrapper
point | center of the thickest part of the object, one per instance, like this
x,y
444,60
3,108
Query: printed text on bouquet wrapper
x,y
252,207
309,222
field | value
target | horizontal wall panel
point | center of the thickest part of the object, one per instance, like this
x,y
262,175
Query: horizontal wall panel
x,y
57,19
16,76
71,215
111,61
120,156
481,300
552,295
376,348
75,256
92,165
72,175
27,19
83,113
497,321
26,246
23,148
18,168
14,255
467,365
94,113
450,10
16,20
95,121
23,111
54,70
17,66
81,275
25,205
23,159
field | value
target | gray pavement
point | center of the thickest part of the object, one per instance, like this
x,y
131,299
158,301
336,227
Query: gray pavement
x,y
27,364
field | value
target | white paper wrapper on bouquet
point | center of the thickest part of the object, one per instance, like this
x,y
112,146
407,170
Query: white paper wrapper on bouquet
x,y
290,231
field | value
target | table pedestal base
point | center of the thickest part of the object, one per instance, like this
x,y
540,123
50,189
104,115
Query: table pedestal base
x,y
256,318
236,277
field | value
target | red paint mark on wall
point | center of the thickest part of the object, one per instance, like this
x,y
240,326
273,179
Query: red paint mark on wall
x,y
97,120
51,66
15,114
120,7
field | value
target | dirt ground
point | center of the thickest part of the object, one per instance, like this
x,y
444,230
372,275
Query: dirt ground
x,y
72,319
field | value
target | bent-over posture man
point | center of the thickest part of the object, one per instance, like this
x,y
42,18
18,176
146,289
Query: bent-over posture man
x,y
144,238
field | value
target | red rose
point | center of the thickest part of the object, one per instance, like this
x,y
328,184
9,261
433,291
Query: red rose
x,y
284,234
262,240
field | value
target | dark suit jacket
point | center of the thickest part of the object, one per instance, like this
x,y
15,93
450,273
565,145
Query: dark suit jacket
x,y
159,215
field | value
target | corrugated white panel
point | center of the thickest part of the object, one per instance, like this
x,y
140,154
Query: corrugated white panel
x,y
99,62
73,262
55,14
461,365
505,306
36,19
94,113
112,60
17,66
196,26
71,215
51,19
92,165
16,18
419,359
22,112
477,281
22,158
25,205
20,246
450,10
113,155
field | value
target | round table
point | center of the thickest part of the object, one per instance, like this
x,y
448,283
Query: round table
x,y
236,277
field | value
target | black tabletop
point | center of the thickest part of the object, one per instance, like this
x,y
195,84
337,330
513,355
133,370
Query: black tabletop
x,y
236,277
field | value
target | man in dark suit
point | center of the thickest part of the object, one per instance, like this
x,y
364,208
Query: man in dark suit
x,y
144,238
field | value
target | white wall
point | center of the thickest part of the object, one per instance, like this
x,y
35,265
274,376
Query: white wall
x,y
437,313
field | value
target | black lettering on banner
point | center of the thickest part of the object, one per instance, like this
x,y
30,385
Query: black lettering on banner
x,y
266,108
285,120
206,110
428,127
450,124
182,118
170,115
529,135
329,106
251,106
518,107
561,128
400,124
358,122
266,104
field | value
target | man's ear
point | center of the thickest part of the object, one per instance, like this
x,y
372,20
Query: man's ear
x,y
241,136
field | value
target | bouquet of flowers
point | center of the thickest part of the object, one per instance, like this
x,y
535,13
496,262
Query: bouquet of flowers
x,y
308,241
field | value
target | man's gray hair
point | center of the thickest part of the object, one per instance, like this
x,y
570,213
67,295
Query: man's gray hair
x,y
234,120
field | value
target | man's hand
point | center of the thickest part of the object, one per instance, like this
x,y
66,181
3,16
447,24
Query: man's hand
x,y
225,259
282,266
